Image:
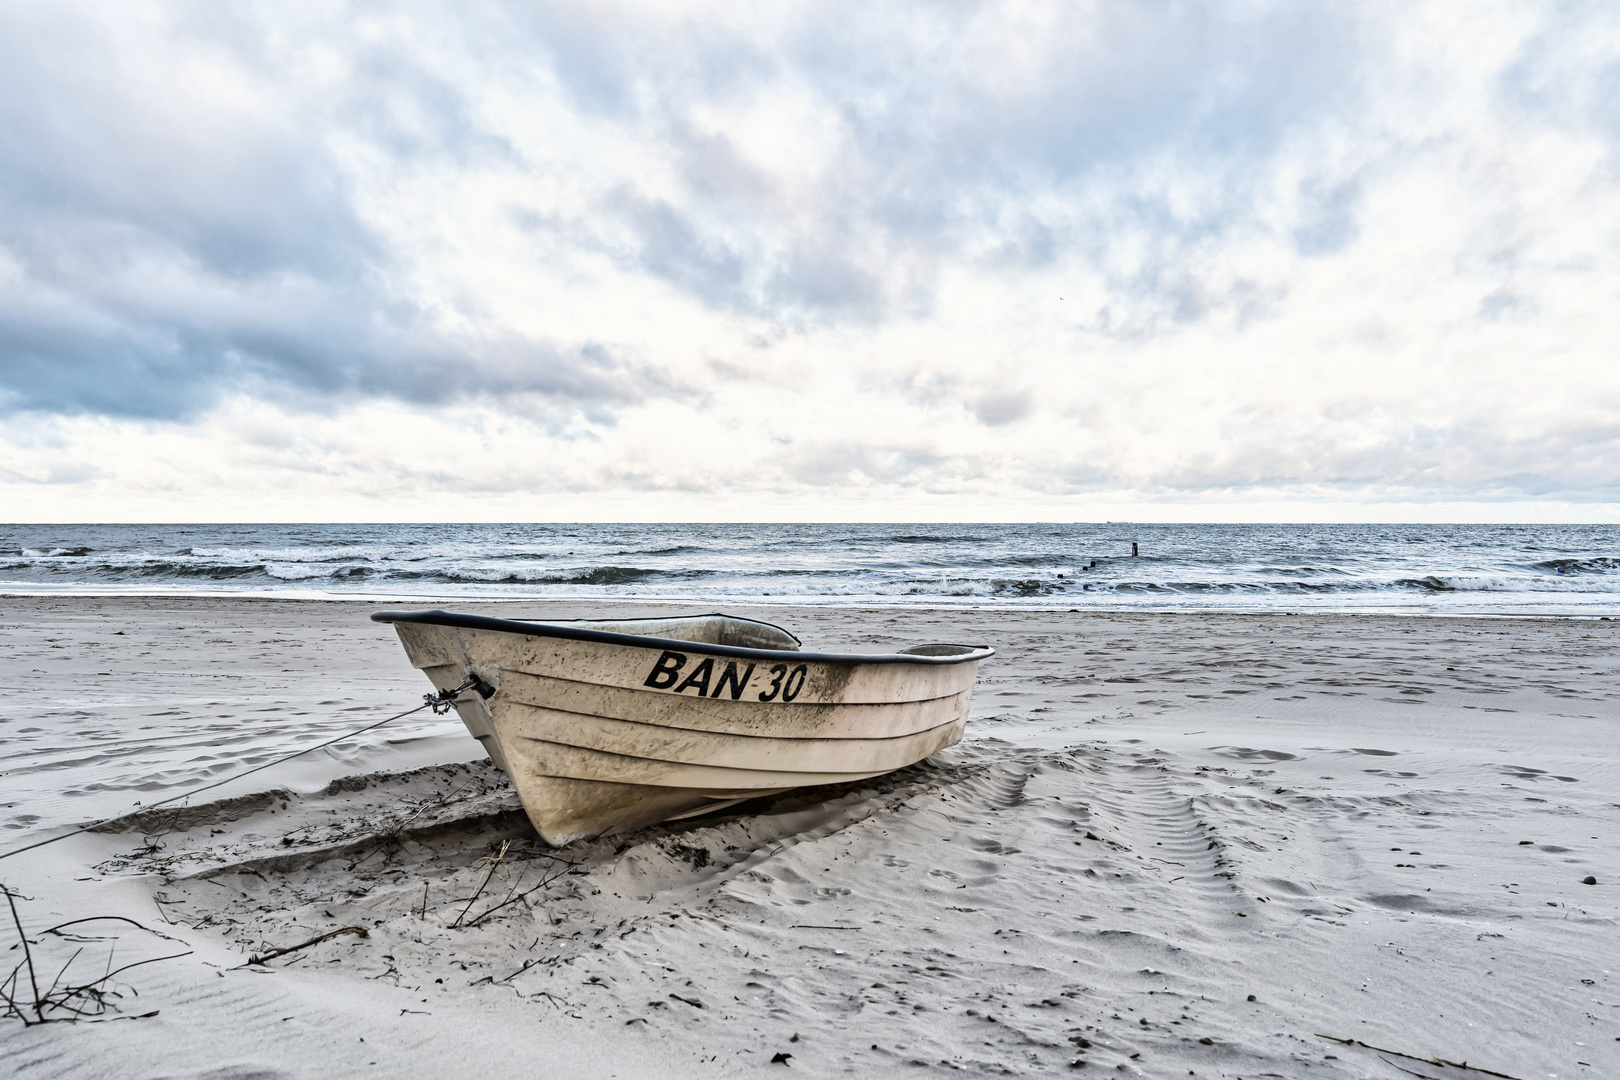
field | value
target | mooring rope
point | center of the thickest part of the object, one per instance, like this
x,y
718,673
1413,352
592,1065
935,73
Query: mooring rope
x,y
439,703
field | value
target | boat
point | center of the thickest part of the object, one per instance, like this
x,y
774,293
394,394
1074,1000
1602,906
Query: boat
x,y
609,726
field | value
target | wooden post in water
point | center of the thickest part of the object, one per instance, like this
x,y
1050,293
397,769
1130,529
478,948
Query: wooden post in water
x,y
1133,549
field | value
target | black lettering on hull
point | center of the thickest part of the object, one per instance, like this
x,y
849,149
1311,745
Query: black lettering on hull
x,y
666,671
795,683
699,678
779,670
787,683
738,685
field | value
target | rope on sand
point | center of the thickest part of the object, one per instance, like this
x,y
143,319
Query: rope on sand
x,y
439,703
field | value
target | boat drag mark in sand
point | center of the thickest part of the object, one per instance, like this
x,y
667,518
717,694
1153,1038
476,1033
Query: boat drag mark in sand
x,y
608,726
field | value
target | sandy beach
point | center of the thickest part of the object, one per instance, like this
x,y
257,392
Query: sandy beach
x,y
1170,845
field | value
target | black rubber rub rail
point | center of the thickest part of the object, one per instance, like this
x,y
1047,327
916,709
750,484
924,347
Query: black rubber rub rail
x,y
581,633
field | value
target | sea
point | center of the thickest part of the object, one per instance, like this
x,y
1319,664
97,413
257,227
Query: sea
x,y
1545,570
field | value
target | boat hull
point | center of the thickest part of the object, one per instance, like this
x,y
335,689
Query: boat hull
x,y
608,732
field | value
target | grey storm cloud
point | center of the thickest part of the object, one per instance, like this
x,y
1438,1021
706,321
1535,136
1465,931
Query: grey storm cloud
x,y
165,249
158,250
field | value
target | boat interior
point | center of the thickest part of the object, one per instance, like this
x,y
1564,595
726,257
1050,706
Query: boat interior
x,y
708,629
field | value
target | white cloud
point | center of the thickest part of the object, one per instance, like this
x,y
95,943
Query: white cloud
x,y
933,261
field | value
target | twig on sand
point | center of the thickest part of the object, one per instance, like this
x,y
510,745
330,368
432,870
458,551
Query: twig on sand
x,y
266,957
391,834
1404,1069
509,900
1413,1057
59,927
494,864
28,958
78,1001
553,872
152,842
527,964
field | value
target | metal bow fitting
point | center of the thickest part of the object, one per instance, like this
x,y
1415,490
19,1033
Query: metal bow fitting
x,y
444,700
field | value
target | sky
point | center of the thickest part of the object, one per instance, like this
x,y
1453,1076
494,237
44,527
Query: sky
x,y
1119,259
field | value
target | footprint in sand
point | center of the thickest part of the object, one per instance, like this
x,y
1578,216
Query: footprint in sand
x,y
1249,753
1524,772
992,847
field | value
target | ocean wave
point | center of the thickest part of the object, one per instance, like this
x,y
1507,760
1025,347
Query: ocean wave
x,y
608,575
871,579
1601,564
449,553
284,555
1026,587
600,575
106,570
204,571
1509,584
135,568
1051,560
320,570
1419,568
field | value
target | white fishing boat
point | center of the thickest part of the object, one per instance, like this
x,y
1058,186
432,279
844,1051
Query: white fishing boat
x,y
608,726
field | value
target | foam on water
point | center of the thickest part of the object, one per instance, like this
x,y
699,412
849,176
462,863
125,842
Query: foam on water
x,y
1508,569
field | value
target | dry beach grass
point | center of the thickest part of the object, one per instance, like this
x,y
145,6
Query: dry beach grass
x,y
1170,845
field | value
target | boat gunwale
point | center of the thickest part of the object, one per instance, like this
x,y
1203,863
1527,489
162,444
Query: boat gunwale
x,y
437,617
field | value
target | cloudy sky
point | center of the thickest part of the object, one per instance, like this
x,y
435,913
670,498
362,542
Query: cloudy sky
x,y
933,261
